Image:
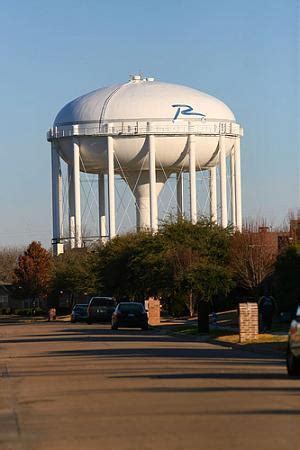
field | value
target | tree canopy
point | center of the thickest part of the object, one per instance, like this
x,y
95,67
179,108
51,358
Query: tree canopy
x,y
33,271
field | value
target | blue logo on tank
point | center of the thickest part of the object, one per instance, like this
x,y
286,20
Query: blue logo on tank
x,y
185,110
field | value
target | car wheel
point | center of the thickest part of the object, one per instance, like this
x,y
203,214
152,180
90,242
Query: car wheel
x,y
292,363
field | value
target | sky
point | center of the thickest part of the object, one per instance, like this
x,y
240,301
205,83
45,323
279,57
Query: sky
x,y
245,53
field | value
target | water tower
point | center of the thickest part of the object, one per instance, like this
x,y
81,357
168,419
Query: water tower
x,y
144,130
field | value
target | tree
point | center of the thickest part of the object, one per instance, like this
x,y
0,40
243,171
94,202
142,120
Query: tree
x,y
8,261
72,274
199,254
181,260
252,259
287,286
33,272
207,280
132,265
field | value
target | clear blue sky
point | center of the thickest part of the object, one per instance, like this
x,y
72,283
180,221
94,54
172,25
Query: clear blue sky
x,y
243,52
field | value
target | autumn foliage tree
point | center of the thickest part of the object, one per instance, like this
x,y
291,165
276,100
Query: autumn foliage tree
x,y
33,272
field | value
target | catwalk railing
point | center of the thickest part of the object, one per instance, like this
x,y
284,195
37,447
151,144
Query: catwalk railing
x,y
131,128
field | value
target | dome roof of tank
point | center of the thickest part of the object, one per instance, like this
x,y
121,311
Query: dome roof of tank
x,y
141,99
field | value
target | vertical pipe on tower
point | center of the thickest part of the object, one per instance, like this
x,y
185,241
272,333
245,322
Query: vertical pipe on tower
x,y
111,187
223,179
153,194
238,189
192,169
179,191
233,189
213,194
101,197
77,203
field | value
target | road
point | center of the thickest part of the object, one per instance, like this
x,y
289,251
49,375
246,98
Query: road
x,y
73,386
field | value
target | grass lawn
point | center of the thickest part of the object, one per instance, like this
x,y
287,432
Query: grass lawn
x,y
265,341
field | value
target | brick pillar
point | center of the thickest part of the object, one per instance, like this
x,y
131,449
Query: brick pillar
x,y
154,311
248,320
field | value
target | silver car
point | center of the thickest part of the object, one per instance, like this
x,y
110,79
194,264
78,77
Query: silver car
x,y
293,351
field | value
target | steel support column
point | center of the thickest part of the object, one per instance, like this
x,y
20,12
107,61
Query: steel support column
x,y
111,187
238,189
57,217
153,193
179,192
213,194
233,188
192,170
101,197
77,202
223,180
71,200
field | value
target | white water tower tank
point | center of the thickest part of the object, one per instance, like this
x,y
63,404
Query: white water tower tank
x,y
175,121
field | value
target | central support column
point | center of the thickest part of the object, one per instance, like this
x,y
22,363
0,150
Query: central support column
x,y
111,187
223,179
153,194
179,191
76,168
213,194
101,197
238,190
192,169
71,199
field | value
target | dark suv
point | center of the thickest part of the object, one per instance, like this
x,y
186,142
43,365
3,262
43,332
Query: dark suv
x,y
293,352
129,314
100,309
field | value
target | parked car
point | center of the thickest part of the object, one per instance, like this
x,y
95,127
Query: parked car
x,y
100,309
79,313
130,314
293,351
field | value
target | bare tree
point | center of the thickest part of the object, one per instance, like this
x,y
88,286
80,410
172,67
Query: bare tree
x,y
253,256
8,262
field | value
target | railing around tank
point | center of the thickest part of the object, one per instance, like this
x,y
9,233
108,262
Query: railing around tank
x,y
144,128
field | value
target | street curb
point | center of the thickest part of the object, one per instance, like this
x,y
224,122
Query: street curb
x,y
253,348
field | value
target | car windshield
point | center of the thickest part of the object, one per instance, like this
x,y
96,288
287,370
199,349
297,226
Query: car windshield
x,y
131,307
110,302
80,307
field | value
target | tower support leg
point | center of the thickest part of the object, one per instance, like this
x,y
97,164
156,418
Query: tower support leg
x,y
213,194
57,215
102,217
238,189
153,193
192,169
223,180
111,187
179,192
77,203
233,188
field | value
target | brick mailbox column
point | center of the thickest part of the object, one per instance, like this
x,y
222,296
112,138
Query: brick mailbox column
x,y
248,320
154,311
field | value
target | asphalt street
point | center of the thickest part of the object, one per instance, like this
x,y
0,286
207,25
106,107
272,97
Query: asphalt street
x,y
74,386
